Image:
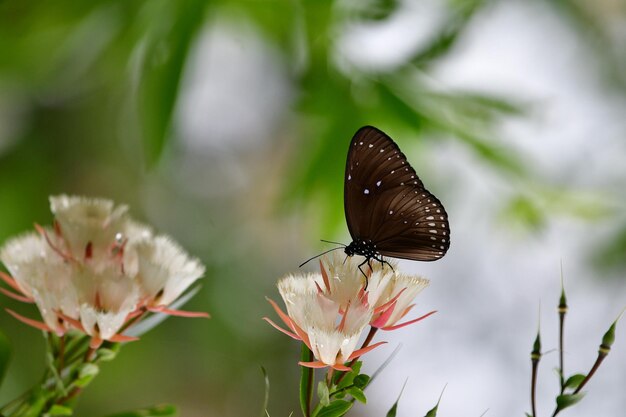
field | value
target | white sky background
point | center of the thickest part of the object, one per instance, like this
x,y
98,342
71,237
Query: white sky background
x,y
488,288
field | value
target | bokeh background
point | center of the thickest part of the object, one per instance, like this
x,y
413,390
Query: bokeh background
x,y
226,125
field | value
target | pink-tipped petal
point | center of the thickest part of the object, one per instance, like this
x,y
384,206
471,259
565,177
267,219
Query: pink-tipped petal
x,y
316,364
280,329
302,335
284,317
120,338
178,313
10,281
363,351
33,323
398,326
383,318
406,311
14,296
340,367
342,323
388,303
325,276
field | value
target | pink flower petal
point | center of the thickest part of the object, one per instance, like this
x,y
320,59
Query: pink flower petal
x,y
280,329
75,323
43,233
340,367
406,311
388,303
16,296
10,280
34,323
316,364
284,317
122,338
325,276
364,350
398,326
178,313
384,317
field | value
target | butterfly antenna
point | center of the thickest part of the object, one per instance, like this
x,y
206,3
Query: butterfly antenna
x,y
330,241
317,256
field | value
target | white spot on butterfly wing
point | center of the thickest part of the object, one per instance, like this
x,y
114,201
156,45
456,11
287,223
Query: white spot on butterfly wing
x,y
349,177
378,183
370,146
366,191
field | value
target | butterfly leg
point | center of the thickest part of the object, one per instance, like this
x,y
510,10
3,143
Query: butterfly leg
x,y
363,272
384,262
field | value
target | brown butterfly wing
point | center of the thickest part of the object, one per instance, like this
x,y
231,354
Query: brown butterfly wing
x,y
385,202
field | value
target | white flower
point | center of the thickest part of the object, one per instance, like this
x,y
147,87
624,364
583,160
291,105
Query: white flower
x,y
96,269
330,326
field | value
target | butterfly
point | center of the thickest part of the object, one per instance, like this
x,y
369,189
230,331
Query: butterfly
x,y
388,210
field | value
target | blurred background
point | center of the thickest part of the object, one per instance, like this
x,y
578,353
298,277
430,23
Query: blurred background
x,y
226,125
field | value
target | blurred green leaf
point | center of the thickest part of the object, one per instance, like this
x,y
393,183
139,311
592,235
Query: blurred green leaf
x,y
165,410
358,394
611,255
567,400
58,410
574,381
266,397
349,377
86,374
5,355
166,49
322,393
461,13
336,408
524,210
361,380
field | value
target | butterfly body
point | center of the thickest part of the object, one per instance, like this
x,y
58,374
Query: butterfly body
x,y
388,210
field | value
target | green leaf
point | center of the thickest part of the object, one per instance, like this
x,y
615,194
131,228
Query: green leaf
x,y
322,393
358,394
166,50
306,381
165,410
349,377
58,410
567,400
266,398
574,381
86,374
108,354
361,380
5,355
336,408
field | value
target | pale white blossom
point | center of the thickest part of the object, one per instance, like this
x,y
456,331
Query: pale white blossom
x,y
96,269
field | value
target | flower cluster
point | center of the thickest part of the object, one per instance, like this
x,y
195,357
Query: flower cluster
x,y
329,310
96,270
